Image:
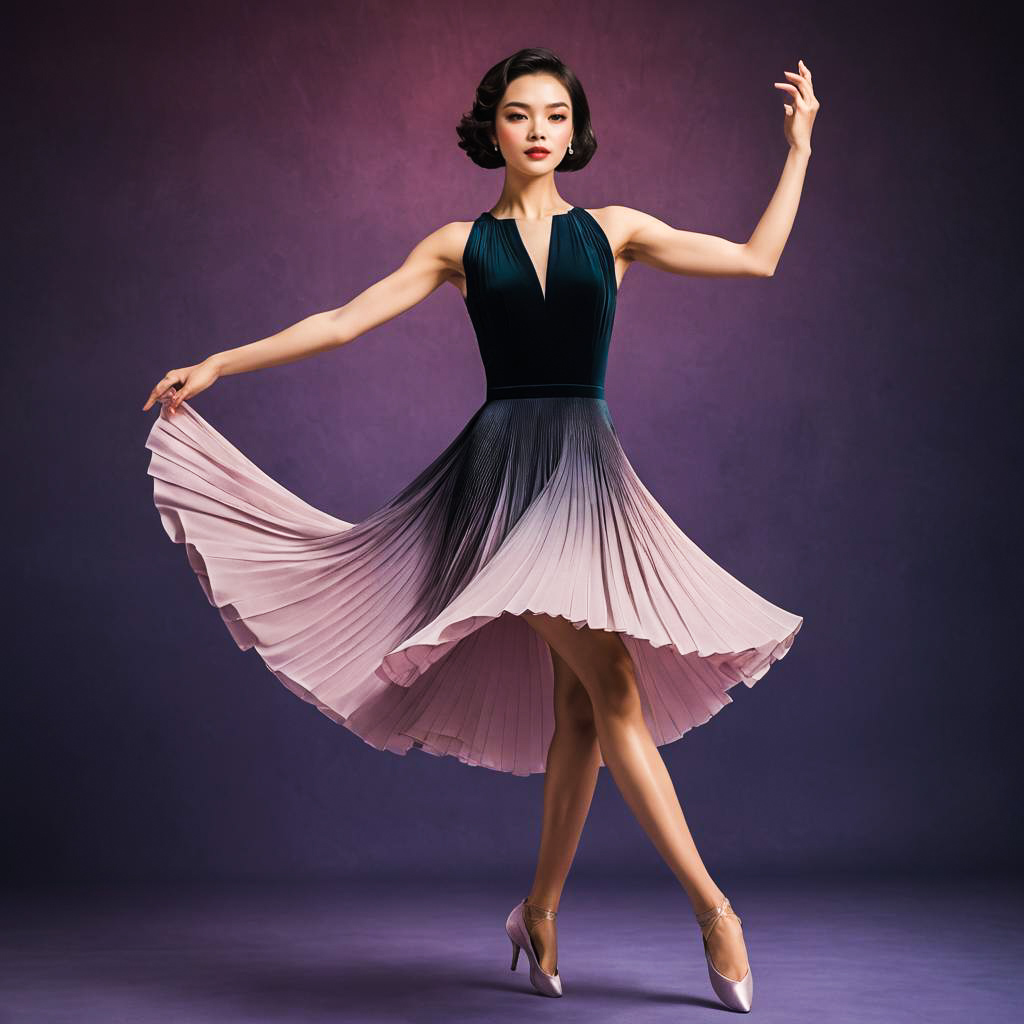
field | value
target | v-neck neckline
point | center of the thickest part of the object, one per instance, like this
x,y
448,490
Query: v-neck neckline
x,y
524,252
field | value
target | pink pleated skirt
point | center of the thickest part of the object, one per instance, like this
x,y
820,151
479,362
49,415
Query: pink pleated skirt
x,y
404,627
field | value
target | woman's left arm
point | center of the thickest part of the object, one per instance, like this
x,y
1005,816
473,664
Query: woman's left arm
x,y
646,239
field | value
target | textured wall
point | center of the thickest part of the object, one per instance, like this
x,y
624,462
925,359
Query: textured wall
x,y
189,179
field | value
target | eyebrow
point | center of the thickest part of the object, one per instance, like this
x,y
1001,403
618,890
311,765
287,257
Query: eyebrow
x,y
516,103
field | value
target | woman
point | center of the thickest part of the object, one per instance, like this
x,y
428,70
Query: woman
x,y
525,603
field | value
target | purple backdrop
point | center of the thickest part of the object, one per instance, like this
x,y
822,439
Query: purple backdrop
x,y
190,179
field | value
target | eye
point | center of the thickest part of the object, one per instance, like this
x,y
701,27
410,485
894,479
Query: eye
x,y
512,117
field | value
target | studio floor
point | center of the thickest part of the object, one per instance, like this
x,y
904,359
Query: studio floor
x,y
860,950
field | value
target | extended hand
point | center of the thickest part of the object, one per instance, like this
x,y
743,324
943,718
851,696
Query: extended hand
x,y
176,385
800,116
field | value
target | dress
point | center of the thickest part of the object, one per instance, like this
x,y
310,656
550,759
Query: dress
x,y
403,627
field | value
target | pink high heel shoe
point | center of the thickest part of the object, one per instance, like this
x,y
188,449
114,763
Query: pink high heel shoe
x,y
515,927
737,995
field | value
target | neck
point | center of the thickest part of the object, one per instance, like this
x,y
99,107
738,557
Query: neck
x,y
531,202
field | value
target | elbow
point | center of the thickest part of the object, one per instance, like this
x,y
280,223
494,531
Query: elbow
x,y
337,326
755,263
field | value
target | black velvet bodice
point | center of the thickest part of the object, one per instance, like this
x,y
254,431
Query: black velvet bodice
x,y
534,342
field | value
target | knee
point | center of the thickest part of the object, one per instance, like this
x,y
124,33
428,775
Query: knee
x,y
575,712
614,689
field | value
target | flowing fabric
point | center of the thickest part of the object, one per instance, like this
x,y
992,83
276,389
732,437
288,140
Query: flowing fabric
x,y
405,627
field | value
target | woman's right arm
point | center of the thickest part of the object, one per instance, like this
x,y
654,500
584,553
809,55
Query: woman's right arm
x,y
434,260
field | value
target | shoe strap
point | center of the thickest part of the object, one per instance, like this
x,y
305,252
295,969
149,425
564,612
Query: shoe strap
x,y
540,911
707,919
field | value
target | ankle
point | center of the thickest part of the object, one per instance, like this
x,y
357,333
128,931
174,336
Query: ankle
x,y
542,902
706,900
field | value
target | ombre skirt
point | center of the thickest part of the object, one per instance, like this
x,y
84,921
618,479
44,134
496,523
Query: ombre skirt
x,y
404,627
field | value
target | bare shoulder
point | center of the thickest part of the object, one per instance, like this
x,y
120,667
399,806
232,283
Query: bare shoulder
x,y
444,248
620,225
448,242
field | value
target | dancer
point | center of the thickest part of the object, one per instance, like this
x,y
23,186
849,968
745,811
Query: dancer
x,y
525,603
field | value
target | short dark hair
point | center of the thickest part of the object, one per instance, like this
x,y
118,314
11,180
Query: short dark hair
x,y
475,127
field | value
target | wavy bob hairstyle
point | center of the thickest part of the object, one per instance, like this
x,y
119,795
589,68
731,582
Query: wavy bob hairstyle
x,y
474,130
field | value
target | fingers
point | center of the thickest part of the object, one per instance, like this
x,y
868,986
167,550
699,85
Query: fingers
x,y
806,86
801,84
813,100
796,95
802,92
164,384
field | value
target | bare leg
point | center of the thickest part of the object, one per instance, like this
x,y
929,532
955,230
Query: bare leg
x,y
601,662
572,765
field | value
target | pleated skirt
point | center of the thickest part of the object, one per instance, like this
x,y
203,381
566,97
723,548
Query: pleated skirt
x,y
405,627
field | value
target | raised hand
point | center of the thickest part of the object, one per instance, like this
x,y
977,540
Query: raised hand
x,y
799,115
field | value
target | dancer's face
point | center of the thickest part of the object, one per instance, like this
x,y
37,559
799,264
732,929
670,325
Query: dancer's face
x,y
535,111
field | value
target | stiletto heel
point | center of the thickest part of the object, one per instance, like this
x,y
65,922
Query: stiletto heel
x,y
737,995
515,927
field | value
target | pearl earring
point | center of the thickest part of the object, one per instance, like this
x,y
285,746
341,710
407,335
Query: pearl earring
x,y
570,149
